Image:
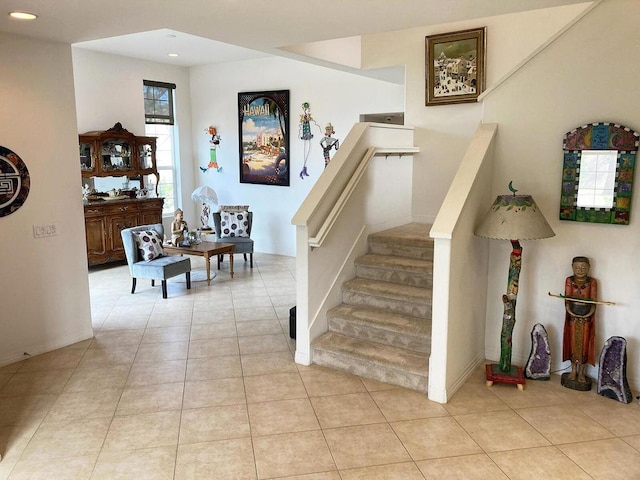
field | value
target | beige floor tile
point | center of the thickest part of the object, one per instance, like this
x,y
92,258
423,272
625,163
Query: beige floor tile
x,y
223,459
12,367
468,467
213,330
4,379
148,464
619,418
58,359
401,404
211,393
253,301
292,454
71,468
258,313
25,410
161,319
151,398
162,352
475,398
100,356
267,363
214,423
83,405
215,312
536,463
395,471
36,383
365,446
634,441
320,381
434,438
375,386
144,430
346,410
605,459
68,439
536,394
213,367
13,441
123,321
259,327
263,344
277,386
168,371
564,424
117,337
88,379
166,334
332,475
283,416
498,431
213,347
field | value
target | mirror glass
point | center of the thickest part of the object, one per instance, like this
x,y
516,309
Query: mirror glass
x,y
597,178
597,173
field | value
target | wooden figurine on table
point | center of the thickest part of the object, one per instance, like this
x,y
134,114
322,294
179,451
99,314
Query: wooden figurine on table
x,y
178,227
578,343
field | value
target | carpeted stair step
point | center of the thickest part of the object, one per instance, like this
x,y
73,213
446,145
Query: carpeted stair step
x,y
410,240
379,326
391,268
387,364
392,297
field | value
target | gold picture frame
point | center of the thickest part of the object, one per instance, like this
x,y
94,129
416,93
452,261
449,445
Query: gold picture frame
x,y
455,66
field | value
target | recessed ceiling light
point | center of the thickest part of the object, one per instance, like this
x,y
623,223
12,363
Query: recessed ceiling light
x,y
23,15
173,54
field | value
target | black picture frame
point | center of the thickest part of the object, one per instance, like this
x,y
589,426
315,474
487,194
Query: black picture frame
x,y
263,126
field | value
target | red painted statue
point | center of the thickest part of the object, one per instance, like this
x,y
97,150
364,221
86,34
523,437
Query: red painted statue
x,y
578,343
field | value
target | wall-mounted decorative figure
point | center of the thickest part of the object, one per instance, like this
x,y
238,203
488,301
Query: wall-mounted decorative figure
x,y
328,142
539,364
304,132
612,374
213,145
579,337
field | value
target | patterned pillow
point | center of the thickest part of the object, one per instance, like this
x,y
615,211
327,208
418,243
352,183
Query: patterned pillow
x,y
234,224
149,244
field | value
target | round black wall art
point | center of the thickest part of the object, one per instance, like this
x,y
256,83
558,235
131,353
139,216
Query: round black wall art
x,y
14,182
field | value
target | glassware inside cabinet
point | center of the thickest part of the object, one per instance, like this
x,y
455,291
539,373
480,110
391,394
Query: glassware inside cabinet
x,y
116,155
86,157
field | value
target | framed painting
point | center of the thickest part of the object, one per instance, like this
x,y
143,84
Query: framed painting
x,y
264,137
455,66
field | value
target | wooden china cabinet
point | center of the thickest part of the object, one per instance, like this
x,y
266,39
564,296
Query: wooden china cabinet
x,y
117,153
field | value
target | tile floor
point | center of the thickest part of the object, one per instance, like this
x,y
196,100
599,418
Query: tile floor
x,y
203,386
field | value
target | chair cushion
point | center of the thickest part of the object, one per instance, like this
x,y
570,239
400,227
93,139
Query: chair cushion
x,y
233,224
149,244
161,268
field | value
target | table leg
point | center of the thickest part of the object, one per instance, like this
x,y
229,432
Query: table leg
x,y
231,264
208,261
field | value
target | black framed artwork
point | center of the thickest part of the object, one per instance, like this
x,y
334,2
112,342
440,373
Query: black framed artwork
x,y
263,126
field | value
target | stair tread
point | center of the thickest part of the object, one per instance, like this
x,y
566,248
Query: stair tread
x,y
394,262
412,233
388,290
391,357
382,319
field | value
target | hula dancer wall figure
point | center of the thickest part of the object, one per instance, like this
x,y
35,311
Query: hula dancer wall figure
x,y
213,145
328,142
304,132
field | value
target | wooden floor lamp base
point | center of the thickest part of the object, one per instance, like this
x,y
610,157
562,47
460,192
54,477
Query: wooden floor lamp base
x,y
515,376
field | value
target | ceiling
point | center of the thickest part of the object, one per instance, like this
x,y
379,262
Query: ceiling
x,y
213,31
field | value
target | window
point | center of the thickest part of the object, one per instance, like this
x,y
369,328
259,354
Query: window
x,y
160,123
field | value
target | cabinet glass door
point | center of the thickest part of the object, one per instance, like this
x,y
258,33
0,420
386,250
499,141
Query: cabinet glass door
x,y
116,156
146,155
86,158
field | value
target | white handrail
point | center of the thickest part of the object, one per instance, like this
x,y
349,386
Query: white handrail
x,y
323,231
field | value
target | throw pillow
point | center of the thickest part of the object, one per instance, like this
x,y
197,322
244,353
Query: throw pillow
x,y
149,244
234,224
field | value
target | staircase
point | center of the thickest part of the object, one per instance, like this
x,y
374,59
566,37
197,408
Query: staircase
x,y
382,330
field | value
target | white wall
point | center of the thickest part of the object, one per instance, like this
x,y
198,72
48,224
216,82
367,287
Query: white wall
x,y
44,288
577,80
109,90
335,97
443,132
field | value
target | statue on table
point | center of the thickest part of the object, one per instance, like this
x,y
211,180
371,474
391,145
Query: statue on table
x,y
578,343
178,227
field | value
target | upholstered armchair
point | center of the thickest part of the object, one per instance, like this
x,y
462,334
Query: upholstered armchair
x,y
233,225
146,259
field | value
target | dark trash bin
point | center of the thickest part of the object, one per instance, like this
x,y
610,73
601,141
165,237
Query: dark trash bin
x,y
292,322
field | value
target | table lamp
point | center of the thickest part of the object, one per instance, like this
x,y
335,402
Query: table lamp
x,y
207,196
511,217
